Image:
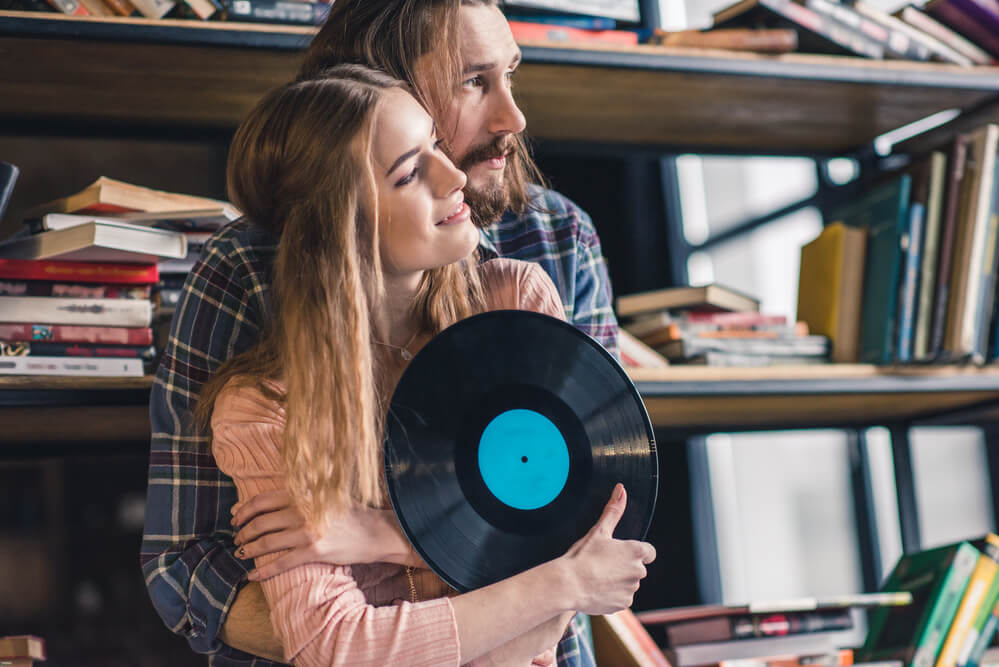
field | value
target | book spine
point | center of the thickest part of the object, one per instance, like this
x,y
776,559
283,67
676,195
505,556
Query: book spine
x,y
540,32
73,290
962,48
71,366
153,9
70,7
293,12
985,636
986,610
569,21
35,349
974,597
956,15
732,39
894,42
931,244
60,333
910,282
84,272
845,36
96,312
951,589
955,181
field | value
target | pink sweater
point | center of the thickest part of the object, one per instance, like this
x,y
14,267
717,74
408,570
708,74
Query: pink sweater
x,y
354,614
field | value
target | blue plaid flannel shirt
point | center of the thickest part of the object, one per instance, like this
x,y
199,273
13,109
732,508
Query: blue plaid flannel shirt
x,y
187,550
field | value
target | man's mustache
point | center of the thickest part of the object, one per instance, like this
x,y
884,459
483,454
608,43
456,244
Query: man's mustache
x,y
495,148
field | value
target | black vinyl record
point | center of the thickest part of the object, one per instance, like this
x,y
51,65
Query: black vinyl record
x,y
504,440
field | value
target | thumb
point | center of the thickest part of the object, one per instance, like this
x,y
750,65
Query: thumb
x,y
613,511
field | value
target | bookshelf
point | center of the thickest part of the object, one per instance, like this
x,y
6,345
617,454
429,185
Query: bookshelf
x,y
681,401
207,74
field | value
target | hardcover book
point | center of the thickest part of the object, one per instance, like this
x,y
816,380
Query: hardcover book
x,y
98,242
83,272
975,597
978,20
71,366
107,195
707,297
66,333
91,312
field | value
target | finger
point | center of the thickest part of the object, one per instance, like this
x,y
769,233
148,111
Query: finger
x,y
261,503
269,523
280,565
613,511
273,543
650,553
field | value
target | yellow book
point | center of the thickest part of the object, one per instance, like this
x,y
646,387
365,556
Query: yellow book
x,y
830,288
974,596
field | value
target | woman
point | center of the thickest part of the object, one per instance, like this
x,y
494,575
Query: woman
x,y
375,257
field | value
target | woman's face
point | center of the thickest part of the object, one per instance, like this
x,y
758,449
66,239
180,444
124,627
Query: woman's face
x,y
423,220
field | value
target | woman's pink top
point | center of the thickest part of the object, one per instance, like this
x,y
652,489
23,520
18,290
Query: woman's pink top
x,y
355,614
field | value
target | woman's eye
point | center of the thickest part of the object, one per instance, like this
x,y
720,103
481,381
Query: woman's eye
x,y
474,82
438,144
409,178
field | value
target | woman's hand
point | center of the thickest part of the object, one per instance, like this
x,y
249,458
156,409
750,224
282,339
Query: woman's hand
x,y
605,572
271,523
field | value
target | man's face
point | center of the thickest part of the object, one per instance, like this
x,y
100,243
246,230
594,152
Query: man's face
x,y
483,118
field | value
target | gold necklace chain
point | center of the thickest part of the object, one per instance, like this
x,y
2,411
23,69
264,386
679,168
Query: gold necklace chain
x,y
404,349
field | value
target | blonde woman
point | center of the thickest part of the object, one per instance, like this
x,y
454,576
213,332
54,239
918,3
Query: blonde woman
x,y
376,255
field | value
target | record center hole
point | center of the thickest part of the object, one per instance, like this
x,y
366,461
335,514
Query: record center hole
x,y
523,459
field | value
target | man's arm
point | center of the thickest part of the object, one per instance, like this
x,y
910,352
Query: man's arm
x,y
187,553
248,625
593,312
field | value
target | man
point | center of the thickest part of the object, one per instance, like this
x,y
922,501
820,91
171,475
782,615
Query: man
x,y
194,577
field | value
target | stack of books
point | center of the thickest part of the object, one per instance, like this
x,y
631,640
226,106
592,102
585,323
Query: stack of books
x,y
717,326
954,617
786,633
960,32
79,284
906,269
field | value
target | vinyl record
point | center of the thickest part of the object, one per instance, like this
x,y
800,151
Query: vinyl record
x,y
505,438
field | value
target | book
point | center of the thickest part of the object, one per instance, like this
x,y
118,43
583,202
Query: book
x,y
937,579
985,310
679,614
208,219
71,366
830,288
931,255
66,333
912,253
46,349
98,242
204,9
8,178
69,7
974,597
816,643
76,290
91,312
747,626
524,31
84,272
895,42
986,625
959,46
749,360
569,20
707,297
685,330
794,346
816,33
154,9
620,10
974,19
620,640
107,195
634,353
948,238
964,318
294,12
911,42
24,647
781,40
884,212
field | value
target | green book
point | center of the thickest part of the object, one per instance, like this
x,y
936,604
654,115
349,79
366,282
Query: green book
x,y
969,653
884,212
936,578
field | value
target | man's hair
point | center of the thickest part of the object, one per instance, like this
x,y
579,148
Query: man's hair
x,y
392,35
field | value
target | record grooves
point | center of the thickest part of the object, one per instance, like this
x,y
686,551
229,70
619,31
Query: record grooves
x,y
504,439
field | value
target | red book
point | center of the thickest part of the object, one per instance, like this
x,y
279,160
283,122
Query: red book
x,y
65,333
524,31
81,272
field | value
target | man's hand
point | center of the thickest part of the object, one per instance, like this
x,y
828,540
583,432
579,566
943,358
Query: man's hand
x,y
271,523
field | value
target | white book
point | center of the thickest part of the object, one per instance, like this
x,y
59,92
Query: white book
x,y
72,310
208,219
153,9
75,366
98,241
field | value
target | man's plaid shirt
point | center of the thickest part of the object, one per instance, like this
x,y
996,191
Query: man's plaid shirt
x,y
187,550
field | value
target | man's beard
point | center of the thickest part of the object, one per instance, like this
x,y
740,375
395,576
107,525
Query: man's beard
x,y
489,203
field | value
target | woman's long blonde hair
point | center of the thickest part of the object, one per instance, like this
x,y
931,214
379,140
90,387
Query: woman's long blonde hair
x,y
299,166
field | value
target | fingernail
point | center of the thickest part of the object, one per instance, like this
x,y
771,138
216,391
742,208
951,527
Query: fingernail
x,y
618,492
234,508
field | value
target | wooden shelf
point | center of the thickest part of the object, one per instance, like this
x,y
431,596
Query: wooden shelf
x,y
121,72
681,401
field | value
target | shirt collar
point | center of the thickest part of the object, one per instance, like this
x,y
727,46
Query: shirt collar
x,y
487,249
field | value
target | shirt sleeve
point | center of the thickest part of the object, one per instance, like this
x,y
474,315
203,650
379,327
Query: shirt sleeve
x,y
593,311
187,555
319,613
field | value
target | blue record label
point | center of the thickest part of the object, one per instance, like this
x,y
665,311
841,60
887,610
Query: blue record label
x,y
523,459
